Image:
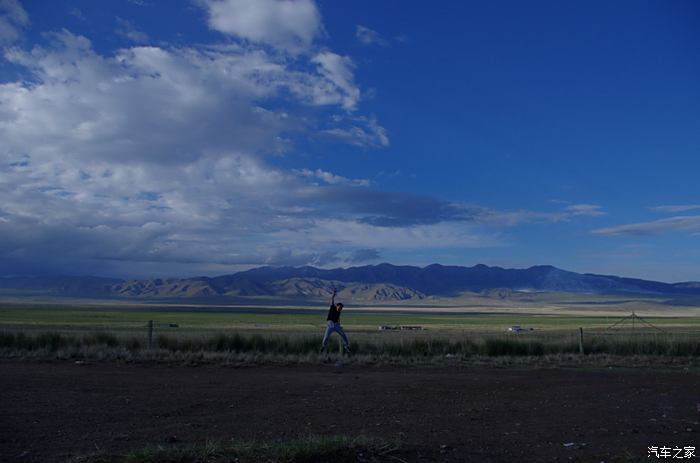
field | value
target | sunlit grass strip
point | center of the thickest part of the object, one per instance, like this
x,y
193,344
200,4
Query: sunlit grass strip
x,y
337,448
278,318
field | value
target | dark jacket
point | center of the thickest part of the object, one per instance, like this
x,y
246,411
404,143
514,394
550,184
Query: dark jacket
x,y
333,314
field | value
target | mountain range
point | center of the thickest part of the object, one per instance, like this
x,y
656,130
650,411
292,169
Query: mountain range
x,y
383,282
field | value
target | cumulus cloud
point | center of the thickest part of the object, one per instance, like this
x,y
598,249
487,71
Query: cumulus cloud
x,y
153,154
158,155
144,104
367,36
155,158
172,104
13,19
289,25
687,224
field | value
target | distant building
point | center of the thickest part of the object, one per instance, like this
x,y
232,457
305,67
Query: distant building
x,y
519,329
400,328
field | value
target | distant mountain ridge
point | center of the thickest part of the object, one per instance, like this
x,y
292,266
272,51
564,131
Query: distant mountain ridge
x,y
383,282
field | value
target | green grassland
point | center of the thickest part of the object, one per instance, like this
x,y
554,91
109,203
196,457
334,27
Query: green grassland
x,y
227,333
117,316
112,318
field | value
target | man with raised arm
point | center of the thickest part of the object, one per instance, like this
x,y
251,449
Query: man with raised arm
x,y
333,324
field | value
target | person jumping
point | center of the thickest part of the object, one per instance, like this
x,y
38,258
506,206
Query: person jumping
x,y
333,324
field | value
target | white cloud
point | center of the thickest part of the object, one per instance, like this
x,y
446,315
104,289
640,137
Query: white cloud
x,y
339,233
339,71
591,210
149,103
331,178
13,19
156,153
127,29
517,217
77,13
362,131
289,25
367,36
687,224
672,209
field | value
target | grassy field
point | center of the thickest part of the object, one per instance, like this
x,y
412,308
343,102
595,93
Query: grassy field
x,y
337,448
115,317
229,333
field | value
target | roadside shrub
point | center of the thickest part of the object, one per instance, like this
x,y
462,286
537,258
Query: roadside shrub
x,y
51,341
498,347
102,339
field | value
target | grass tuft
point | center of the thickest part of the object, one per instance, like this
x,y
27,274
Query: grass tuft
x,y
311,448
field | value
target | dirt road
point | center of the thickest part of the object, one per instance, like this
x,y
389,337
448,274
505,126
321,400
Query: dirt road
x,y
50,411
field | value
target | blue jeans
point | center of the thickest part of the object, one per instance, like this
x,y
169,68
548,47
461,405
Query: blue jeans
x,y
332,326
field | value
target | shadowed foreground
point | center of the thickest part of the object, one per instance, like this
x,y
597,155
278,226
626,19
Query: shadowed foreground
x,y
52,411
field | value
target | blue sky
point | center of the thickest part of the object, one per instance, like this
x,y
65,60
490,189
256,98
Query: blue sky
x,y
200,137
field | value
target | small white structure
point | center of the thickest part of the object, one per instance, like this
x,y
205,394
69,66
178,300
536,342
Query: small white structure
x,y
400,328
519,329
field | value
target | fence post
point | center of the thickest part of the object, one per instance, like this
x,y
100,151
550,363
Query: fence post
x,y
150,333
580,340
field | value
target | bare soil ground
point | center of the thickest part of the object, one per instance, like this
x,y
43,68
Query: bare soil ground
x,y
52,411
